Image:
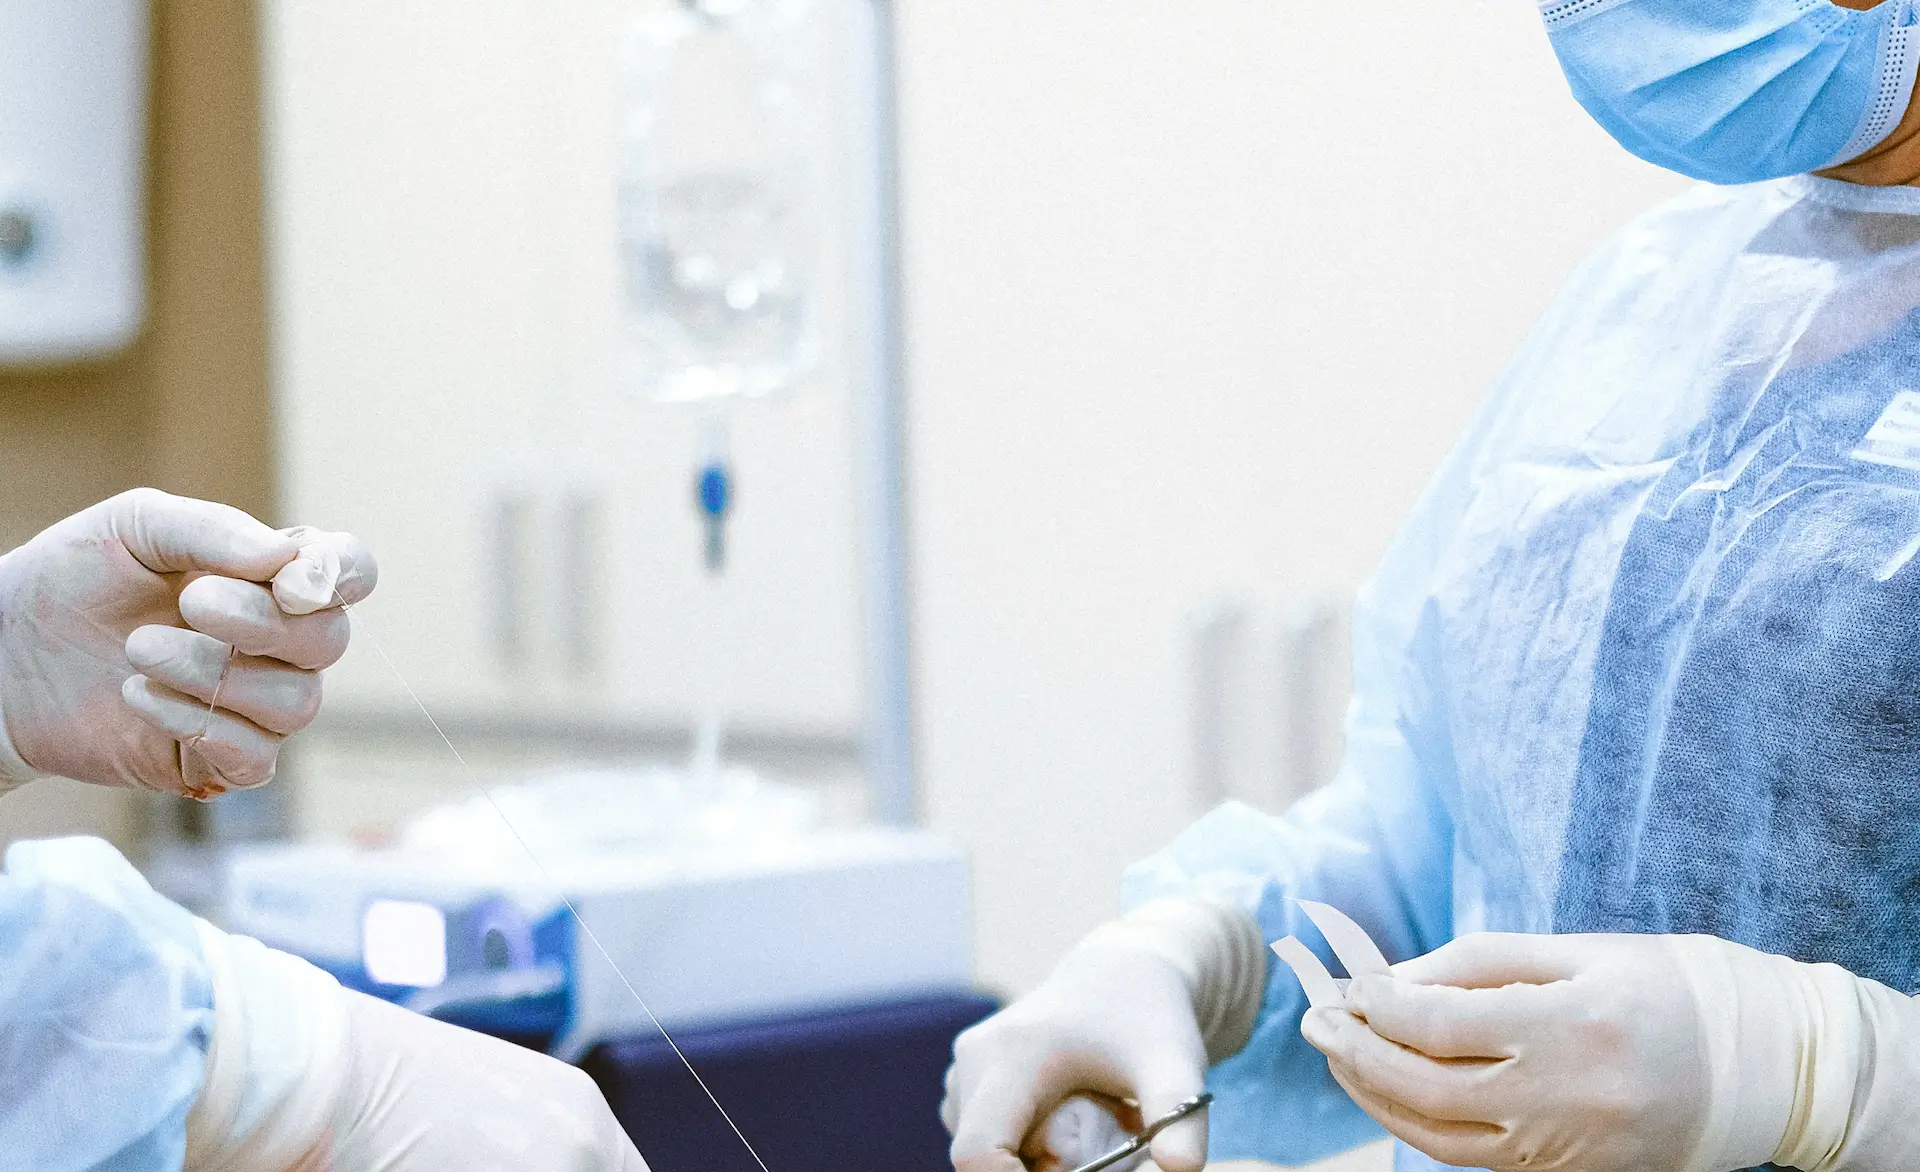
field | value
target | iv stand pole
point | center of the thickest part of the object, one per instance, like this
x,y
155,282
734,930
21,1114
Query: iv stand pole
x,y
879,421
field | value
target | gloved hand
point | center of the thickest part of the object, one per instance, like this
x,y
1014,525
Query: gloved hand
x,y
167,644
425,1096
305,1076
1137,1011
1617,1051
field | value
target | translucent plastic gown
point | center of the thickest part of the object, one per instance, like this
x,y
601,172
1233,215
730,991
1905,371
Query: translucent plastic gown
x,y
1646,656
106,1014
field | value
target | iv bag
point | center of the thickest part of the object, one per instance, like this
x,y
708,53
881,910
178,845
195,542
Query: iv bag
x,y
719,225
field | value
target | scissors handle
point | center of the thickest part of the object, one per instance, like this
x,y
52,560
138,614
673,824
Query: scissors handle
x,y
1139,1143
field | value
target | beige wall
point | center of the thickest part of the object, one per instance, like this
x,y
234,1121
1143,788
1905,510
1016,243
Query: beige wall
x,y
186,408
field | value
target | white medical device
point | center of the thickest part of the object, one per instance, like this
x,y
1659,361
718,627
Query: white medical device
x,y
722,935
73,91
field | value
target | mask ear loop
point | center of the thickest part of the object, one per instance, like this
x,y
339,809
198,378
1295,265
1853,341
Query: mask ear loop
x,y
190,747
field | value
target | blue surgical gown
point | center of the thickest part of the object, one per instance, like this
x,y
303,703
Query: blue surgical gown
x,y
106,1013
1646,655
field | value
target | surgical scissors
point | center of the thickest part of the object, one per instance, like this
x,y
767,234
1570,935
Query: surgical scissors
x,y
1139,1143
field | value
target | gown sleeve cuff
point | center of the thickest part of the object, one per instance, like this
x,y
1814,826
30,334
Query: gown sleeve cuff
x,y
1808,1065
1883,1129
277,1063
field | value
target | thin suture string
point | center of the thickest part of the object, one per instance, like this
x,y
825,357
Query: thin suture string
x,y
191,749
473,782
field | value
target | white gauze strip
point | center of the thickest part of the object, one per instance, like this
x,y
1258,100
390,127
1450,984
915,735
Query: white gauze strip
x,y
1350,942
1323,992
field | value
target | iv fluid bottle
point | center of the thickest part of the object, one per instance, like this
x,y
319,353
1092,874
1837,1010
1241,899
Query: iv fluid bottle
x,y
719,137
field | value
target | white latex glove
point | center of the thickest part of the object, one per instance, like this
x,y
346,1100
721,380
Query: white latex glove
x,y
1133,1015
1615,1051
305,1076
120,626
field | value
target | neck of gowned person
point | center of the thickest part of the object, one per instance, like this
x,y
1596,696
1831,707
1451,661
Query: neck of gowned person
x,y
1896,161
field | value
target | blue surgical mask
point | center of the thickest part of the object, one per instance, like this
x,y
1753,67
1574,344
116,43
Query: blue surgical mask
x,y
1736,91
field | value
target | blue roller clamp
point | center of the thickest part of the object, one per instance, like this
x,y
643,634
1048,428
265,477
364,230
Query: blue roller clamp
x,y
713,491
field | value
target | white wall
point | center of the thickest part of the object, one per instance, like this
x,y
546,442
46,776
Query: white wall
x,y
442,230
440,186
1199,293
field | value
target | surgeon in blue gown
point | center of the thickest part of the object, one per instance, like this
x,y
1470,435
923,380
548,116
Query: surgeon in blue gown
x,y
1633,762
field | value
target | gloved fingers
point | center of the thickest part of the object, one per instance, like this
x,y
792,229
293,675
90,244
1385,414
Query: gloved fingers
x,y
171,534
199,778
1453,1089
1125,1112
1183,1146
630,1158
997,1160
619,1146
1489,960
949,1101
610,1149
239,753
1455,1143
245,615
1180,1148
1447,1022
996,1115
1003,1069
274,695
963,1073
331,569
1082,1127
1005,1105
